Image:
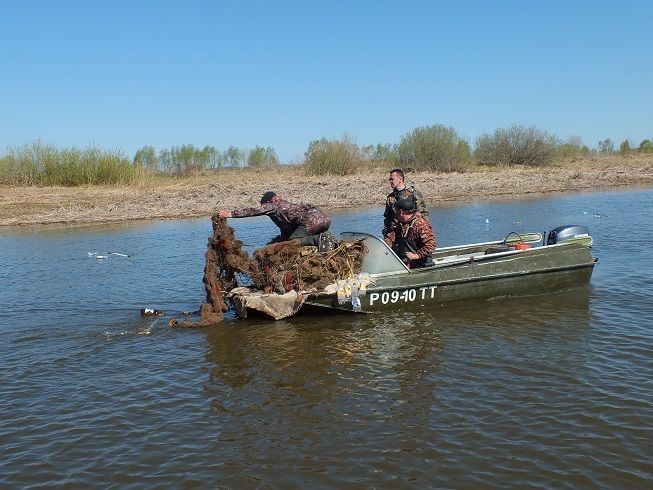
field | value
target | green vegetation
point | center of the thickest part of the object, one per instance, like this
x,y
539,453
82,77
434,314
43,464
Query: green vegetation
x,y
516,145
436,148
333,157
146,158
187,159
606,146
573,148
45,165
429,148
387,154
646,146
262,157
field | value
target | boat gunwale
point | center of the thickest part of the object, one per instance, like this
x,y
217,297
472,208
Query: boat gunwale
x,y
424,271
478,257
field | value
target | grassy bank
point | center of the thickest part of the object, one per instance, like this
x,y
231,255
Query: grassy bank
x,y
200,195
40,164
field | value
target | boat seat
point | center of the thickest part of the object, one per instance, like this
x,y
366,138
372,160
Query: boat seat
x,y
455,258
495,249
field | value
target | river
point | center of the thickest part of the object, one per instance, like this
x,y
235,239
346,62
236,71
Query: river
x,y
549,391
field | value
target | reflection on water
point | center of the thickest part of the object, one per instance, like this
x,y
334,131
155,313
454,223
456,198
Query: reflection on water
x,y
405,385
398,343
549,390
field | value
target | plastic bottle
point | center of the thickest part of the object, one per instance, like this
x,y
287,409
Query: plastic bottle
x,y
356,303
340,292
355,300
347,288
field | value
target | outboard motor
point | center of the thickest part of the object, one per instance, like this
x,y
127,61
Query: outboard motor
x,y
570,233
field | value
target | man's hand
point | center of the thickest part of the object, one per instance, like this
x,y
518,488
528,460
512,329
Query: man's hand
x,y
412,256
223,213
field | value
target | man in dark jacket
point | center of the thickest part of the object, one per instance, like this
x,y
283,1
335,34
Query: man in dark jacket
x,y
412,238
400,191
303,222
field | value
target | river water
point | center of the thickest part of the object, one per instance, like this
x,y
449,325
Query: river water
x,y
549,391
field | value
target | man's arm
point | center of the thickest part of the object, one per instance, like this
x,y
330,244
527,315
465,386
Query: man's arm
x,y
425,232
247,212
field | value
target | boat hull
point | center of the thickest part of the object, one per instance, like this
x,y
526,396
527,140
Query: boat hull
x,y
472,275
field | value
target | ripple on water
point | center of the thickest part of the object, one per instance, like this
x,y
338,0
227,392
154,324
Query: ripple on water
x,y
550,391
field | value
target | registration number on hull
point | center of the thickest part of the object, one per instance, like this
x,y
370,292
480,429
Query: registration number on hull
x,y
405,296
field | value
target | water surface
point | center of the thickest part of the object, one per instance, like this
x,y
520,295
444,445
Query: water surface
x,y
551,390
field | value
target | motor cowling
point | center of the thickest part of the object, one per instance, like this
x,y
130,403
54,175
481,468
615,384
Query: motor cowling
x,y
569,233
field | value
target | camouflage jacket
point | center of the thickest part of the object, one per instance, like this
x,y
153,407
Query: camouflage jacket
x,y
415,236
390,215
288,216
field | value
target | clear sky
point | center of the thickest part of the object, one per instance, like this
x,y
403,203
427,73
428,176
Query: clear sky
x,y
125,74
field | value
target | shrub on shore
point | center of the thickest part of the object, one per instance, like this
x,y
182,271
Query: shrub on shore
x,y
46,165
573,148
646,146
333,157
436,148
516,145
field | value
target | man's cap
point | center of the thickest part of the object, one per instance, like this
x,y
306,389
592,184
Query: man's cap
x,y
406,203
267,197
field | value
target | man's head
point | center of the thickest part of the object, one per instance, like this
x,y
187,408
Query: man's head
x,y
268,197
396,179
405,208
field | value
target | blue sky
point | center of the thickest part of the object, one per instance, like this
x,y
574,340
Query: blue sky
x,y
125,74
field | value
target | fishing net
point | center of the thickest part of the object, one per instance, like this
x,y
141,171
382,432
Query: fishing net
x,y
287,266
224,259
276,268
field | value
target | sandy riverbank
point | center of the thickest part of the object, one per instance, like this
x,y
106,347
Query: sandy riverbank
x,y
233,188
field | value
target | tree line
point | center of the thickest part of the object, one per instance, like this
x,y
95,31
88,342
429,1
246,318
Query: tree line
x,y
606,147
188,159
440,148
435,148
427,148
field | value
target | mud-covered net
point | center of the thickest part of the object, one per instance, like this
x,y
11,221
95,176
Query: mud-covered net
x,y
224,258
276,268
284,266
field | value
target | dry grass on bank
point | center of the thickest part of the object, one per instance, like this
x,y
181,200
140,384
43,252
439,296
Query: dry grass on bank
x,y
172,198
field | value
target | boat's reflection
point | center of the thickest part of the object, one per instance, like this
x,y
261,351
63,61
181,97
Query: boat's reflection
x,y
306,362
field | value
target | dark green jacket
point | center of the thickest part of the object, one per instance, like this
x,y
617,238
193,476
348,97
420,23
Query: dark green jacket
x,y
390,215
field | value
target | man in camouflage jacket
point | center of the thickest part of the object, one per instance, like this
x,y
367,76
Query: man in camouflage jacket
x,y
412,238
400,191
302,222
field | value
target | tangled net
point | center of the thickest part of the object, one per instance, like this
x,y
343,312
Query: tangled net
x,y
282,267
224,257
275,268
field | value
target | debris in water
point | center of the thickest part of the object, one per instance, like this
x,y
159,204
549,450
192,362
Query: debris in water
x,y
99,255
119,254
151,312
